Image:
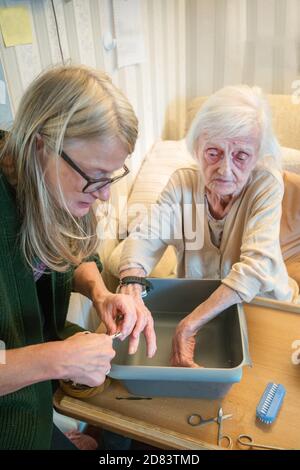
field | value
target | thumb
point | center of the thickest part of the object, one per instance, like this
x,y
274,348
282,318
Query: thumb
x,y
128,314
109,322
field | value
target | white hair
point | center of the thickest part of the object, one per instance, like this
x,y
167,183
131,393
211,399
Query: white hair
x,y
237,111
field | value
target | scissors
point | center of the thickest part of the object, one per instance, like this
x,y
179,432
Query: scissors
x,y
246,440
116,335
221,436
197,420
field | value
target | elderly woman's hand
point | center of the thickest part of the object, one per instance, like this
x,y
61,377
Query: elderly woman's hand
x,y
128,314
183,344
184,339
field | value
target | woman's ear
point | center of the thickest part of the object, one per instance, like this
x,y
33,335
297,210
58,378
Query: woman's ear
x,y
39,142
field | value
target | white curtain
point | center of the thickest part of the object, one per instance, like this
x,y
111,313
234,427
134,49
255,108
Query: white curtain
x,y
192,47
242,41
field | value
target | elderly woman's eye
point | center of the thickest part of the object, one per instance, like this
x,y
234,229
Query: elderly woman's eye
x,y
241,156
213,153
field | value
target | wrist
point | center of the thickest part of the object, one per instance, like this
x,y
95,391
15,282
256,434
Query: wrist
x,y
98,294
47,360
187,328
58,359
88,281
131,289
145,284
191,324
198,319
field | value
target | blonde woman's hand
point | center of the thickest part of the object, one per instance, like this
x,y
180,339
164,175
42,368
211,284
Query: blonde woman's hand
x,y
85,358
128,314
144,322
117,312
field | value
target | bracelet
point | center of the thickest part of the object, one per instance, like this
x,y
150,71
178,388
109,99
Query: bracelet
x,y
145,283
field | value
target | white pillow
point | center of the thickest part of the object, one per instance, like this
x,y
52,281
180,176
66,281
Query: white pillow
x,y
165,157
291,159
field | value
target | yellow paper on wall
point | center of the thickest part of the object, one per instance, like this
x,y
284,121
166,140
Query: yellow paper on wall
x,y
15,25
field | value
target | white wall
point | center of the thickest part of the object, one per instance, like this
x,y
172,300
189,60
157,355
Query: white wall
x,y
156,88
242,41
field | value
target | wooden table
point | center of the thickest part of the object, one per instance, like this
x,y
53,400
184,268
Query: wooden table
x,y
162,421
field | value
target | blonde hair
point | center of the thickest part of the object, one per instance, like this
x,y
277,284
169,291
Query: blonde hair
x,y
66,102
236,111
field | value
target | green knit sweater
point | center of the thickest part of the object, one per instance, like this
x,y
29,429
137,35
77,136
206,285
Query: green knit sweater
x,y
26,415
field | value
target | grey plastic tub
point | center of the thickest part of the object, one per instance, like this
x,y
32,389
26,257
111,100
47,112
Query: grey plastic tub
x,y
221,346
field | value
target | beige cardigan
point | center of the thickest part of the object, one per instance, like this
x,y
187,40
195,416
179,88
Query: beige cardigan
x,y
249,259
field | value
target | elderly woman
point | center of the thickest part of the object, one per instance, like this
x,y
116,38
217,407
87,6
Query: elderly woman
x,y
225,215
73,129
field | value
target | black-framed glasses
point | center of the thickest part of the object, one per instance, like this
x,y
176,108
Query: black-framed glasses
x,y
93,184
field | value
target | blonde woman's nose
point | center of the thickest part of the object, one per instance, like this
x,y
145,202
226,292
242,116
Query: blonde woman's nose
x,y
103,193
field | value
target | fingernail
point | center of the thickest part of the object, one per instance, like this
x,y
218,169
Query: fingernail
x,y
131,350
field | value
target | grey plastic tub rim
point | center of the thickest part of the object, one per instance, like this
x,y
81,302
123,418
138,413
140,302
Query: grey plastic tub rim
x,y
171,373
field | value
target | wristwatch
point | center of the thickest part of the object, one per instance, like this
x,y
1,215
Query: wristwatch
x,y
147,285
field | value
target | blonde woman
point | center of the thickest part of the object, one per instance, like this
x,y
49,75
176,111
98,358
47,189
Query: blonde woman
x,y
73,129
225,215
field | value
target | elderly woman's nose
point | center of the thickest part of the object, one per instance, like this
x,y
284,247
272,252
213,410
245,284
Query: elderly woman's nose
x,y
225,165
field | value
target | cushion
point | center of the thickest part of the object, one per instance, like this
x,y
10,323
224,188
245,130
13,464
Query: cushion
x,y
290,225
165,157
290,219
291,159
